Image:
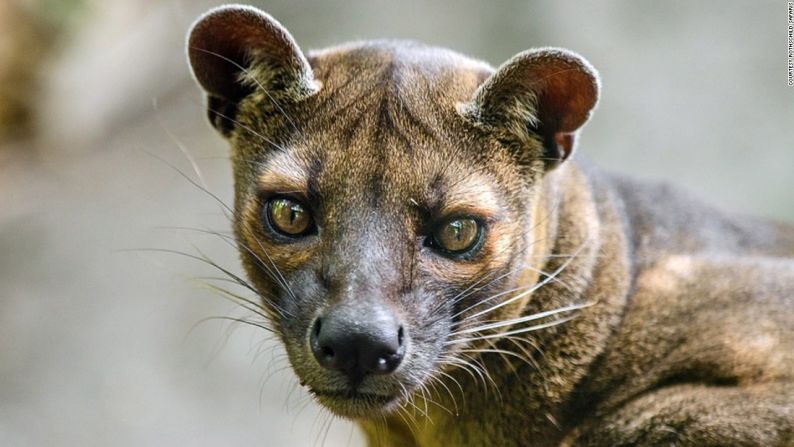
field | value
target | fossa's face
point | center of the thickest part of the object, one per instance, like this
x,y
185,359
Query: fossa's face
x,y
381,215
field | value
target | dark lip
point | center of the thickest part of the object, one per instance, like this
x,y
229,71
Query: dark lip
x,y
350,395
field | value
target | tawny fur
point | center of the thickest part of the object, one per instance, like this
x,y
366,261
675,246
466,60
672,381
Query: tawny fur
x,y
685,332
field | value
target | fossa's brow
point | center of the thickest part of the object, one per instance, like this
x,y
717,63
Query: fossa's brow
x,y
284,174
475,196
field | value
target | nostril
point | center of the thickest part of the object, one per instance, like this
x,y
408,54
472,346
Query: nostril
x,y
400,336
317,326
322,347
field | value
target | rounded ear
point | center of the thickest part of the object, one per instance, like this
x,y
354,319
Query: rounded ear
x,y
235,49
547,93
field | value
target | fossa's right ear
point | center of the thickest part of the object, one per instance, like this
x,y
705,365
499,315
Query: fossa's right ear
x,y
234,50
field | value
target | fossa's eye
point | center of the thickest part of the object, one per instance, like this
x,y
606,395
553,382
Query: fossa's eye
x,y
288,217
458,236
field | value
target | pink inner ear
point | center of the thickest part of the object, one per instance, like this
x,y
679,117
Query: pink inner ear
x,y
567,91
558,87
576,103
564,144
222,41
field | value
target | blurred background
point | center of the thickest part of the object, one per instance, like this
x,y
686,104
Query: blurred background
x,y
100,345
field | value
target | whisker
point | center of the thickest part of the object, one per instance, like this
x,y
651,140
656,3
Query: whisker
x,y
223,204
408,418
523,319
534,287
500,294
280,280
460,363
243,302
179,144
502,352
435,392
205,260
513,332
476,361
257,134
252,78
434,380
234,320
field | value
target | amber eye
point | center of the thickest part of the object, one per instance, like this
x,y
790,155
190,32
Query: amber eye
x,y
288,217
458,236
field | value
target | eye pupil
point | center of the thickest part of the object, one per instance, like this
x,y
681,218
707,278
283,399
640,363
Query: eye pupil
x,y
288,217
458,232
458,236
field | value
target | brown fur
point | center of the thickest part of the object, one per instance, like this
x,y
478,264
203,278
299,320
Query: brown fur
x,y
685,335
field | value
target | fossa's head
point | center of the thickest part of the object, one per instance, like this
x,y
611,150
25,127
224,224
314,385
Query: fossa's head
x,y
385,193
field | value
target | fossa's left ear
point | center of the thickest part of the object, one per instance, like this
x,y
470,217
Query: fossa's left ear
x,y
547,93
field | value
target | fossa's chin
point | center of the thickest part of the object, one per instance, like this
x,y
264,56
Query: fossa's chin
x,y
357,405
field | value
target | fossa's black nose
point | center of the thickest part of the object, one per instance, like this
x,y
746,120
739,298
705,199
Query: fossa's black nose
x,y
358,343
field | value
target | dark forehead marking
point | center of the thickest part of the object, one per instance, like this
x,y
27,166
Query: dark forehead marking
x,y
383,124
415,122
359,79
347,133
327,112
313,174
327,100
396,99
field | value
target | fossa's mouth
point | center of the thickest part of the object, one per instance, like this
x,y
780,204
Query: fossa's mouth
x,y
354,404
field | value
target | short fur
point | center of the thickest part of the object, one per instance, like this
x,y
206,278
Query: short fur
x,y
676,321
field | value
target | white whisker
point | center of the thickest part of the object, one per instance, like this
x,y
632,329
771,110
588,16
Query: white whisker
x,y
524,319
513,332
533,288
